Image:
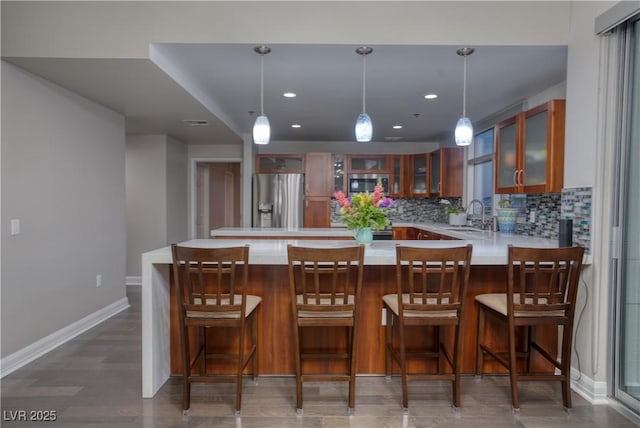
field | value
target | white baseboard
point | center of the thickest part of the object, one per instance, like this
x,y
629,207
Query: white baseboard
x,y
18,359
133,280
595,392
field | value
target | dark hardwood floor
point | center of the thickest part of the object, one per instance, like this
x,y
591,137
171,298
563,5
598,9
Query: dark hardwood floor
x,y
95,380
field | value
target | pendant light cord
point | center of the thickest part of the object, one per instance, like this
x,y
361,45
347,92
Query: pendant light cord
x,y
364,76
262,84
464,88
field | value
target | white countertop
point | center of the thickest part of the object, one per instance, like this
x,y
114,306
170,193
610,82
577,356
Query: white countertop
x,y
277,231
489,248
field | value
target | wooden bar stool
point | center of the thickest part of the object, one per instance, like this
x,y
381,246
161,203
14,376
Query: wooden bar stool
x,y
211,286
542,286
432,284
325,286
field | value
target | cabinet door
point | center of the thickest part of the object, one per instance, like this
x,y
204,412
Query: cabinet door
x,y
434,173
318,178
451,162
507,164
279,164
400,233
398,176
445,172
339,181
419,175
543,148
317,212
368,164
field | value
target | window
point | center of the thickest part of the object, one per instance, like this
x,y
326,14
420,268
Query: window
x,y
480,170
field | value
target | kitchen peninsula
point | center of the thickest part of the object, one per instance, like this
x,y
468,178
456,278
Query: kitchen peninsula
x,y
268,279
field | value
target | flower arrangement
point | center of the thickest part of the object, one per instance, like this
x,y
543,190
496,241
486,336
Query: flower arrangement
x,y
364,210
451,208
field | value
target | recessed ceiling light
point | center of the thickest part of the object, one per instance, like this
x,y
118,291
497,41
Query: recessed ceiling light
x,y
289,95
431,96
296,125
195,122
397,126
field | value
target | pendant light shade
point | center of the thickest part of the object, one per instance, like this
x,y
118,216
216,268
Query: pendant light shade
x,y
464,132
364,127
261,127
464,127
261,130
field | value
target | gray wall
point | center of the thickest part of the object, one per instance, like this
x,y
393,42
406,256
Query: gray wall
x,y
146,197
177,191
156,182
63,177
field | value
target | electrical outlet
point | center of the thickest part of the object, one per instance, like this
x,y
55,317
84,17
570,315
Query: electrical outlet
x,y
384,316
98,280
532,216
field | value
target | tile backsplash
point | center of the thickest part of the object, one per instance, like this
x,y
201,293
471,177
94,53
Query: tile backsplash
x,y
574,203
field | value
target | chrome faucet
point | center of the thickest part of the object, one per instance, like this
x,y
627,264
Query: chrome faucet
x,y
470,207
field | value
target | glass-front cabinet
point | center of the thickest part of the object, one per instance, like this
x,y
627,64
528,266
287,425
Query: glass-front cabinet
x,y
368,164
339,182
506,154
397,185
434,173
530,150
279,163
420,175
536,125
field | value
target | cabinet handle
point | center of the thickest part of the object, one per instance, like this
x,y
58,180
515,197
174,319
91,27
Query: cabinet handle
x,y
439,187
515,178
521,178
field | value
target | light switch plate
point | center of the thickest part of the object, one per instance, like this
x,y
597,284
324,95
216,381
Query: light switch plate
x,y
15,226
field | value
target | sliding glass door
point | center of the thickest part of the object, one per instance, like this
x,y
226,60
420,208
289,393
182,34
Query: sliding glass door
x,y
627,349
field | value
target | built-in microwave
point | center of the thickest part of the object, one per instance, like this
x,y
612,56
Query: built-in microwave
x,y
367,182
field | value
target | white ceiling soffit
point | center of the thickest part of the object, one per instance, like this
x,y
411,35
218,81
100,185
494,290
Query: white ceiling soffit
x,y
151,101
328,82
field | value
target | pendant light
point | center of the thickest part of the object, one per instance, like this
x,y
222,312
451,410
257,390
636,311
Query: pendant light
x,y
364,128
261,128
464,128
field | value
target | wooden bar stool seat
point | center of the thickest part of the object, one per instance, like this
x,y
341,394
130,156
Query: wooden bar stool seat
x,y
211,287
325,286
431,284
542,286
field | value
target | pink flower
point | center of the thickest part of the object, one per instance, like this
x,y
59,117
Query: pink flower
x,y
343,201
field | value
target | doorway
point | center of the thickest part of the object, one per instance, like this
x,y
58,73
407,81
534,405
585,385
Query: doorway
x,y
217,196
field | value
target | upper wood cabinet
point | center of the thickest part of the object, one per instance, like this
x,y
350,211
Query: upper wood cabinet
x,y
445,172
398,177
318,174
368,164
437,174
270,163
318,189
419,175
530,150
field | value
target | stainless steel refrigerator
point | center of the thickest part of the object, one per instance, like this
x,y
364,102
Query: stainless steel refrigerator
x,y
278,200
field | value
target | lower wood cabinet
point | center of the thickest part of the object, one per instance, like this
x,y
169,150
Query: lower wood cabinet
x,y
317,211
413,233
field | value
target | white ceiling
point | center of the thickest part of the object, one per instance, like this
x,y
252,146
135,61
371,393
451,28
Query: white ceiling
x,y
220,83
